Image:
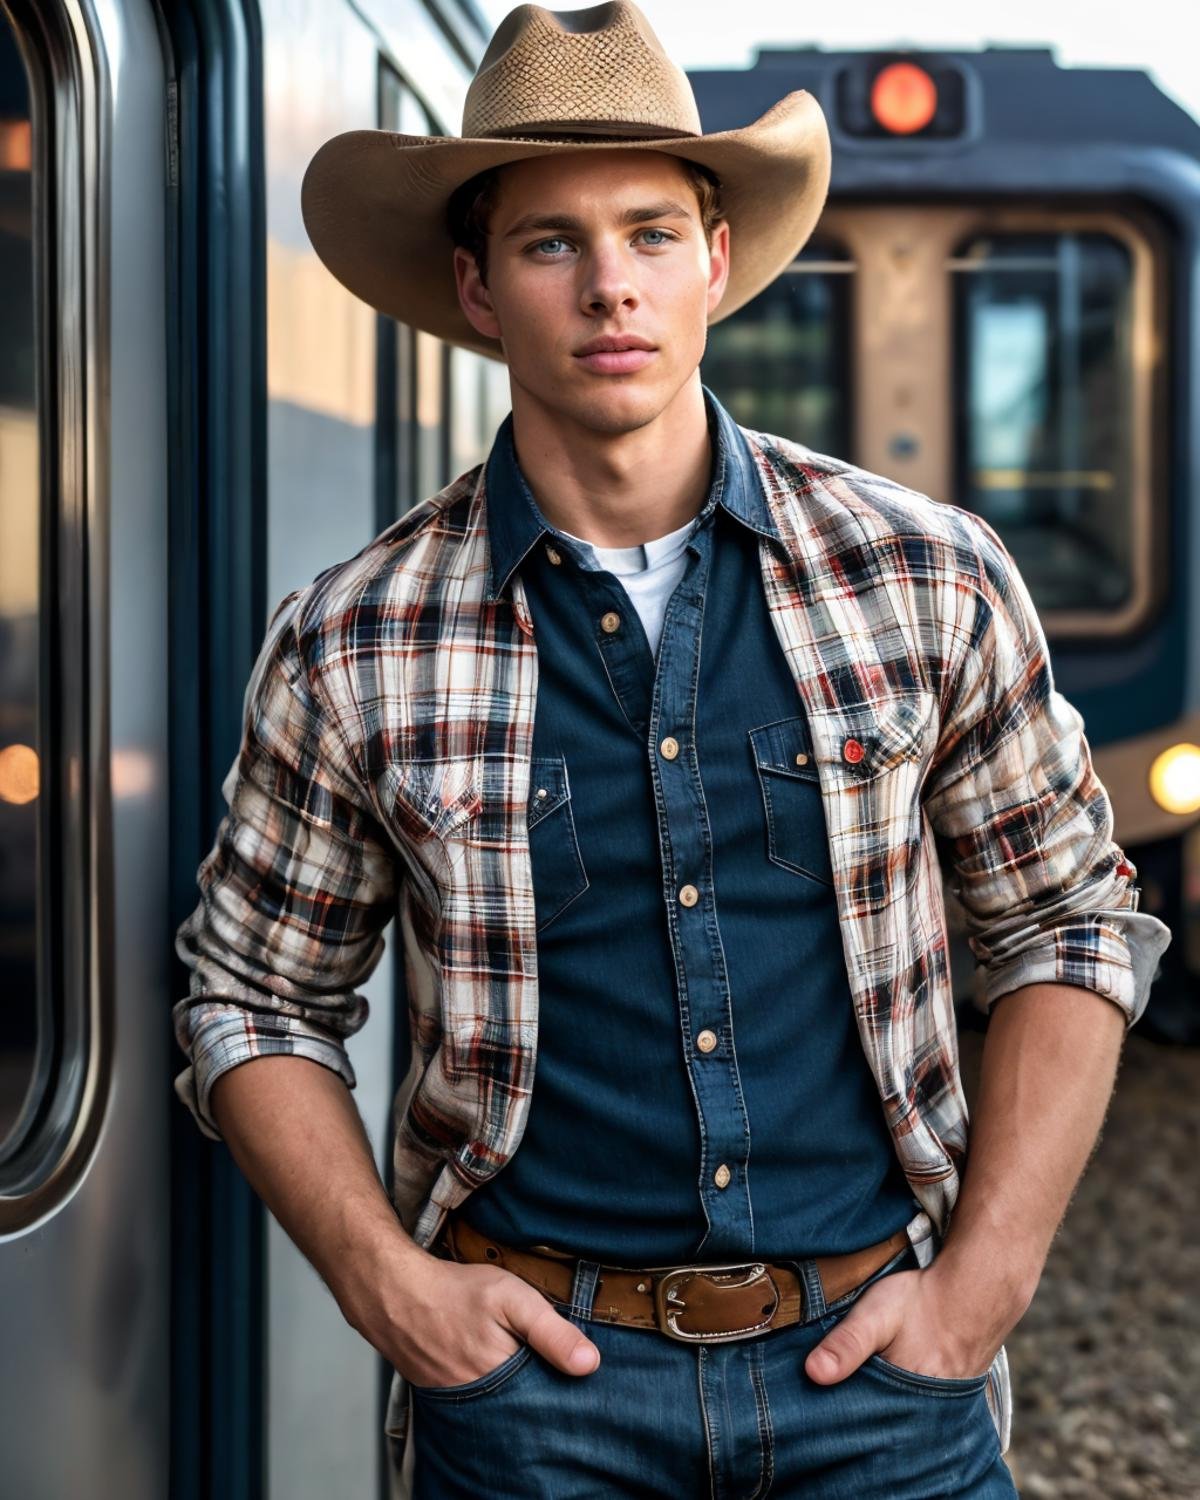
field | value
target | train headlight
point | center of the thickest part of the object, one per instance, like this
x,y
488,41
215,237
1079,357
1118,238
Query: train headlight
x,y
1175,779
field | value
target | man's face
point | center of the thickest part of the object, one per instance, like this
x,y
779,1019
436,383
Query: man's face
x,y
599,284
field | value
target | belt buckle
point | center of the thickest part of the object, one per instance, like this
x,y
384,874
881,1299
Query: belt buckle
x,y
668,1304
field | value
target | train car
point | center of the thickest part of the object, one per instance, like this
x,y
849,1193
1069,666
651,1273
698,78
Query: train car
x,y
195,419
998,310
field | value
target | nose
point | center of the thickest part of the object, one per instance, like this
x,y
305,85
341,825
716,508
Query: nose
x,y
607,282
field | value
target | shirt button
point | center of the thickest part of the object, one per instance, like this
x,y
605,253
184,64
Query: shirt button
x,y
707,1040
610,621
722,1175
853,751
554,555
542,794
801,758
669,748
688,895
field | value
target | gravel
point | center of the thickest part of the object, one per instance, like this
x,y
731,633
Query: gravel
x,y
1106,1361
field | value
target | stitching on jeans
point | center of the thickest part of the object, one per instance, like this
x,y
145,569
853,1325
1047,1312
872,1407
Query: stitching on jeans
x,y
471,1389
933,1385
708,1444
766,1436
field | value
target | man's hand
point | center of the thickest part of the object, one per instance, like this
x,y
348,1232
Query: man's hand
x,y
444,1323
907,1318
295,1133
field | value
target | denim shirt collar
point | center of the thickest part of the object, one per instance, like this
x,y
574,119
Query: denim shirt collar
x,y
515,522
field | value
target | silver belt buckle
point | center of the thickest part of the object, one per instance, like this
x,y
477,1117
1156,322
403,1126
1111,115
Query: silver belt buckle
x,y
668,1303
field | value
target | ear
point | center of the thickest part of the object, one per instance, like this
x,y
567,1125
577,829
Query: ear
x,y
473,296
718,264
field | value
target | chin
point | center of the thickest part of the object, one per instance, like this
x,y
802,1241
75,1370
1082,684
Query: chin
x,y
612,404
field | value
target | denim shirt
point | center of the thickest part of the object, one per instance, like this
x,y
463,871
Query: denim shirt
x,y
691,1099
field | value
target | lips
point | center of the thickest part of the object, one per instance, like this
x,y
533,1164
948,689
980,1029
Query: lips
x,y
616,353
614,343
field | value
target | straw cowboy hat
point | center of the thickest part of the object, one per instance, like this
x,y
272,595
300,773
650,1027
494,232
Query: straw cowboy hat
x,y
374,201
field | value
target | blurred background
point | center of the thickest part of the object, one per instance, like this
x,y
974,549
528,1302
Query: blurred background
x,y
998,309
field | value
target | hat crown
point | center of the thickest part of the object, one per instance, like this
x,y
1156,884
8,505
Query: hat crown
x,y
579,72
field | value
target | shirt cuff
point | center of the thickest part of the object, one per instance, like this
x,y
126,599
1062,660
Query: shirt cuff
x,y
219,1037
1113,953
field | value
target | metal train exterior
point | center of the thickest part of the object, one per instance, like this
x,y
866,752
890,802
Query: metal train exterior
x,y
195,419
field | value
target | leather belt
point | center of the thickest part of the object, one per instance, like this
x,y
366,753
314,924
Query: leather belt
x,y
699,1304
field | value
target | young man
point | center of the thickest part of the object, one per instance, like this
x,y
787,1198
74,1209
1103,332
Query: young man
x,y
646,729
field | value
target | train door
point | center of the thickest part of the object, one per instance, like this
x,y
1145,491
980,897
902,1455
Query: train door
x,y
317,424
84,1252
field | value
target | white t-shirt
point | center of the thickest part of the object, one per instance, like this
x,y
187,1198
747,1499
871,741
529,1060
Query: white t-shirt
x,y
648,572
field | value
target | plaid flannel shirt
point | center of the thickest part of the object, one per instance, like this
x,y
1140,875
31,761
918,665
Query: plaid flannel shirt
x,y
384,771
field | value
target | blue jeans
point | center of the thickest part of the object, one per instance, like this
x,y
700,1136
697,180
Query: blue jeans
x,y
735,1421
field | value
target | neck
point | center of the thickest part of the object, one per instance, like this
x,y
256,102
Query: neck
x,y
616,489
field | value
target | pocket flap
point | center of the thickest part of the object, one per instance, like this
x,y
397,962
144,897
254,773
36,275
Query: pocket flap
x,y
548,786
887,733
785,746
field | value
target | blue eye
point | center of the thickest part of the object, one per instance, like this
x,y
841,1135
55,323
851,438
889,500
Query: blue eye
x,y
664,236
541,245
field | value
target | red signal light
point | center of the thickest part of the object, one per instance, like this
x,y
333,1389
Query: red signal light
x,y
903,98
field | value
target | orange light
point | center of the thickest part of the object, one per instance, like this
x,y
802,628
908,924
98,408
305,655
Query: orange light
x,y
903,98
19,774
16,145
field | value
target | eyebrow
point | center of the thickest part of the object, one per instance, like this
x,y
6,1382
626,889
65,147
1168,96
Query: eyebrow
x,y
667,209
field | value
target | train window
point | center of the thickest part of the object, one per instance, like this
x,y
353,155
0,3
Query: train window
x,y
24,1030
1044,359
779,364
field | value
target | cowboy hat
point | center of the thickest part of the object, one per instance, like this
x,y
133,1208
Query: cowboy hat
x,y
374,201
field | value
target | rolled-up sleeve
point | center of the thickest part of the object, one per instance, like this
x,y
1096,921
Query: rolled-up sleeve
x,y
1047,895
294,894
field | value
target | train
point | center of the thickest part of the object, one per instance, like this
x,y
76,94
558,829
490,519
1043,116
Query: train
x,y
196,419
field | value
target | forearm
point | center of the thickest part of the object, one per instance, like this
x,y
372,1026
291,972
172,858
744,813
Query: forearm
x,y
293,1129
1049,1065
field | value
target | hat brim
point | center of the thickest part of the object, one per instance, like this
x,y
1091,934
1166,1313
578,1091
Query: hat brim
x,y
374,206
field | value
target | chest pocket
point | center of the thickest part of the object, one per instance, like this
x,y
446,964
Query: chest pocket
x,y
558,873
796,834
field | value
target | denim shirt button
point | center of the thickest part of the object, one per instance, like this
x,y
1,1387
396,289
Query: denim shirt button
x,y
722,1176
707,1040
688,895
610,621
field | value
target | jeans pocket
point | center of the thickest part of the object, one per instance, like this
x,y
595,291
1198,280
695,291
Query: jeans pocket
x,y
931,1385
491,1380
